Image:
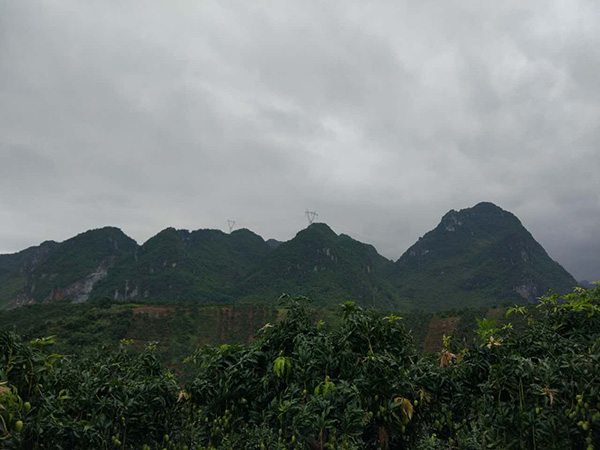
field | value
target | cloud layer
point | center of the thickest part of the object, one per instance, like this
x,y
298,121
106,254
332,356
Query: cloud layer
x,y
381,116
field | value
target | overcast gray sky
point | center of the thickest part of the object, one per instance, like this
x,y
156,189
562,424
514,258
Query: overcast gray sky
x,y
379,115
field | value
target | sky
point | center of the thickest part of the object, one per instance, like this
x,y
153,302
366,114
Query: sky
x,y
379,115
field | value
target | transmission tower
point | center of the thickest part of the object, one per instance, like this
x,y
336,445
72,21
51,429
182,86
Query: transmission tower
x,y
230,224
310,216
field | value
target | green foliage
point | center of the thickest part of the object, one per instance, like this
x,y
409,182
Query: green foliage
x,y
179,329
77,327
282,365
302,385
315,385
92,402
486,329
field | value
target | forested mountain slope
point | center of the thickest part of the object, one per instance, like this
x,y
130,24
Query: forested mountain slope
x,y
478,256
328,267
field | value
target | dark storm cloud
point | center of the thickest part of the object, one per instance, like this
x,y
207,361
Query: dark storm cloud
x,y
380,115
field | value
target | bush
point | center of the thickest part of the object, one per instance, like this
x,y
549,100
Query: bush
x,y
301,385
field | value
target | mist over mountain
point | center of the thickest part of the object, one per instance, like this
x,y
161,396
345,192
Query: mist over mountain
x,y
480,256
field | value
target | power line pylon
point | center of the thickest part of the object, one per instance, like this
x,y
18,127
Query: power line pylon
x,y
310,216
231,224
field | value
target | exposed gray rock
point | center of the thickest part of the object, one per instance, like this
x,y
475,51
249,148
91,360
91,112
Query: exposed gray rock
x,y
80,291
528,291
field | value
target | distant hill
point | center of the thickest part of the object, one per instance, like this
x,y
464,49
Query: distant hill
x,y
479,256
175,265
326,267
69,270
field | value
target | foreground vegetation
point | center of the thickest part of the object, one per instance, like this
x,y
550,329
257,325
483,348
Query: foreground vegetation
x,y
301,385
180,328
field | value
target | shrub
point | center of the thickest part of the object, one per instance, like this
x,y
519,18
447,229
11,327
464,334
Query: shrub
x,y
301,385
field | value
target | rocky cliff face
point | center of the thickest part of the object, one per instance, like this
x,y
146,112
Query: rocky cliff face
x,y
80,290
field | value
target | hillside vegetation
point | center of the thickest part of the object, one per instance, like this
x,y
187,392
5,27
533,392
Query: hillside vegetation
x,y
477,257
180,327
303,385
324,265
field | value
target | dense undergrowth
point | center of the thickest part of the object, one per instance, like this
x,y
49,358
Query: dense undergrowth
x,y
301,385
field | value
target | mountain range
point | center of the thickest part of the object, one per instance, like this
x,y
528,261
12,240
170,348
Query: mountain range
x,y
479,256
